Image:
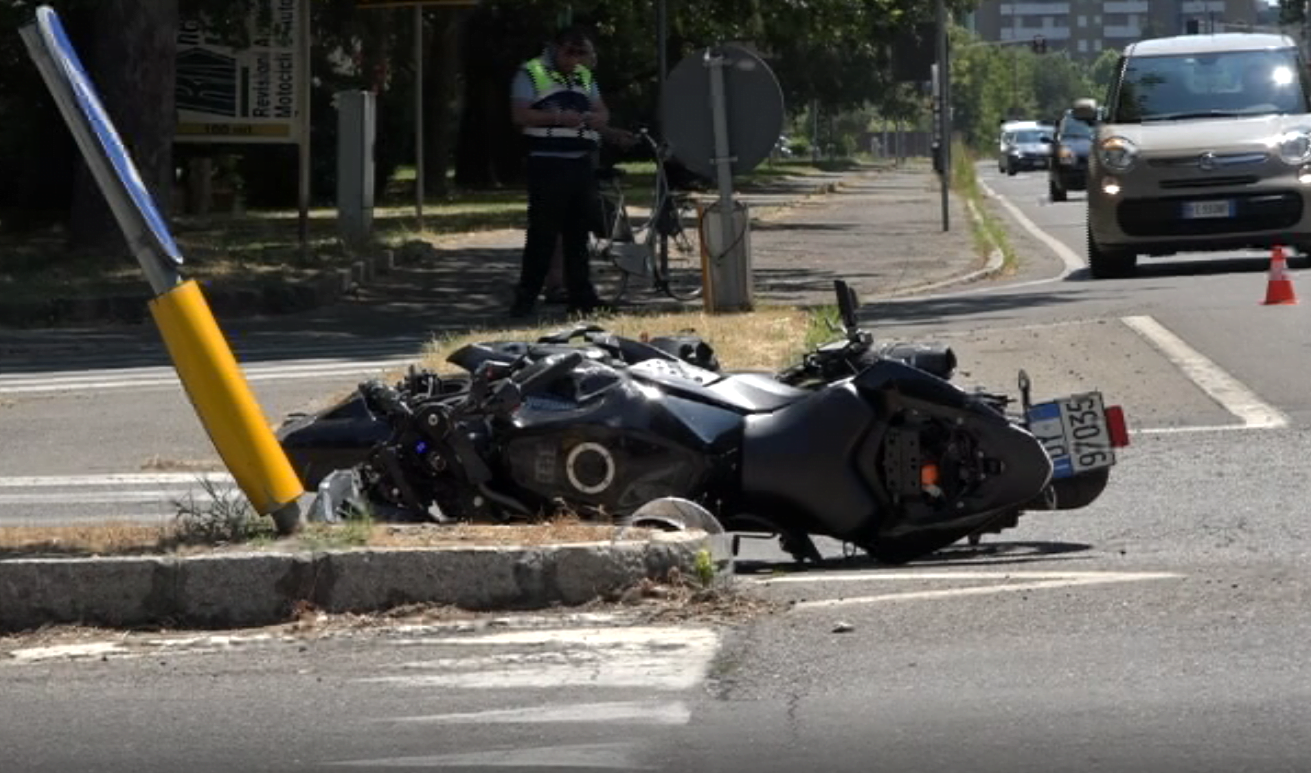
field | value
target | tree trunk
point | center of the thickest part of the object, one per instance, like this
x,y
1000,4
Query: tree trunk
x,y
132,66
443,67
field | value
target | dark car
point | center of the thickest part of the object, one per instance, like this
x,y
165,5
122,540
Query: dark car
x,y
1070,145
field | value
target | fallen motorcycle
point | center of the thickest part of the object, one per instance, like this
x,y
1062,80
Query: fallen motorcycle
x,y
893,459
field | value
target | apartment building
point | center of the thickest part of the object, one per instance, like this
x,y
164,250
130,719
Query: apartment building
x,y
1086,27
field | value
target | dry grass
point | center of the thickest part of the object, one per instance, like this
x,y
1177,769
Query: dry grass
x,y
767,339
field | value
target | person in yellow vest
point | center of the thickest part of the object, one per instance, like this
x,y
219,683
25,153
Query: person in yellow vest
x,y
557,104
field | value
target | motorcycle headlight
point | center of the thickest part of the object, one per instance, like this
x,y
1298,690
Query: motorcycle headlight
x,y
1295,147
1118,154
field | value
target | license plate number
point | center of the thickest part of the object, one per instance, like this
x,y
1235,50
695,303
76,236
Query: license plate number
x,y
1197,210
1074,432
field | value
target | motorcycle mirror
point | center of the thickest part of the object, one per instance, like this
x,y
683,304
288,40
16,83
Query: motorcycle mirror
x,y
847,304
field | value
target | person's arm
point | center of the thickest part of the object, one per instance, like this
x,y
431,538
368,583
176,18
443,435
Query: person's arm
x,y
524,114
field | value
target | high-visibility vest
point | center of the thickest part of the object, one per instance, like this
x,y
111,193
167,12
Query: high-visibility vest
x,y
555,90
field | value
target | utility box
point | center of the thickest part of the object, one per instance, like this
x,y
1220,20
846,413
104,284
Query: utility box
x,y
726,271
356,131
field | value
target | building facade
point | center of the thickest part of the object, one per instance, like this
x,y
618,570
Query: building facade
x,y
1085,28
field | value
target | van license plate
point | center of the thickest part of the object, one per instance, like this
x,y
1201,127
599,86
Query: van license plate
x,y
1196,210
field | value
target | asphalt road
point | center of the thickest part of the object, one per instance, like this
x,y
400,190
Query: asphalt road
x,y
1165,627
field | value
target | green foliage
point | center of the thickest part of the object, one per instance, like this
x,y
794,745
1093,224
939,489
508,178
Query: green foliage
x,y
991,83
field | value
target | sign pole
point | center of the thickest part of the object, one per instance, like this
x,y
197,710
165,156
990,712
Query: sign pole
x,y
304,144
418,114
944,111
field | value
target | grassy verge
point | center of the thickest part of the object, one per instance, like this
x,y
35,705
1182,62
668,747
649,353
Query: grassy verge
x,y
221,518
989,233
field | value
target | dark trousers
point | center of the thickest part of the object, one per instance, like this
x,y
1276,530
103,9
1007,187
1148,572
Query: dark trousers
x,y
561,193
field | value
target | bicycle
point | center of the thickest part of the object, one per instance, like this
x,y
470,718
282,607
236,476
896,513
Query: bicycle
x,y
659,248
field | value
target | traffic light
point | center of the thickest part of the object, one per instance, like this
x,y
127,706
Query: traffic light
x,y
1039,44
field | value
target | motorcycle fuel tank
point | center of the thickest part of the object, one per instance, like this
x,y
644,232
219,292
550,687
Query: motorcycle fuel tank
x,y
604,440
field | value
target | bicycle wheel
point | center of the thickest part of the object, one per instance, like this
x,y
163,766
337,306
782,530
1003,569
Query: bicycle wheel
x,y
609,278
608,274
678,263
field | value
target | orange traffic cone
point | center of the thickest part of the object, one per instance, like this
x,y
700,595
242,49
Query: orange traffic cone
x,y
1279,290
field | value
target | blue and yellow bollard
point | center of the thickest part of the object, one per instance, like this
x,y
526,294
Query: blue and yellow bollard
x,y
201,355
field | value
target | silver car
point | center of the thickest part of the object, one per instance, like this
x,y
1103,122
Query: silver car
x,y
1204,144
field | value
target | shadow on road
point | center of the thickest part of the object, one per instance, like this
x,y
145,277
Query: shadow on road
x,y
999,553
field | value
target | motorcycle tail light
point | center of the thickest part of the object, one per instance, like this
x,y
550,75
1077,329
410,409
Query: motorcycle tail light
x,y
1119,428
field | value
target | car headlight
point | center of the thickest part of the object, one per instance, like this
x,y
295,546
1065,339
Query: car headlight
x,y
1118,154
1066,155
1295,147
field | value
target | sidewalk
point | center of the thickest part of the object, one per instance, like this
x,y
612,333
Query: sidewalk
x,y
879,229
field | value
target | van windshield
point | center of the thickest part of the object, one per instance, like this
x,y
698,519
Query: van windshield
x,y
1214,85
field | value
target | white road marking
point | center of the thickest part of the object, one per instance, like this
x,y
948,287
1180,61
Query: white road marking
x,y
1004,584
619,755
628,712
1073,261
656,658
1230,393
104,497
104,380
114,479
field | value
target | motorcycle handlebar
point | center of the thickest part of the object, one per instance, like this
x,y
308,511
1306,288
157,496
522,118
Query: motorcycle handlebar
x,y
384,399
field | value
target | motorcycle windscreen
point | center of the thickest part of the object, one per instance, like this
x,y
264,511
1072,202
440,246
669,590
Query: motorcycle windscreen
x,y
134,208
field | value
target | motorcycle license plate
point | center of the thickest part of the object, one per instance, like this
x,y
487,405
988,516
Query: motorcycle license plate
x,y
1075,432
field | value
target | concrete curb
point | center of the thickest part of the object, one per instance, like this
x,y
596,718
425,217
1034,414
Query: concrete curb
x,y
258,588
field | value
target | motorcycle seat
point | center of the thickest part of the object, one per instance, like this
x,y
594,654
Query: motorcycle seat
x,y
740,392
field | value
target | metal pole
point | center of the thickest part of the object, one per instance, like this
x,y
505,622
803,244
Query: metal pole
x,y
723,167
944,105
303,224
662,54
418,114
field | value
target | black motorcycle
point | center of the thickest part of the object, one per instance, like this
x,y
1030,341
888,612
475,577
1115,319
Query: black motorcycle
x,y
867,444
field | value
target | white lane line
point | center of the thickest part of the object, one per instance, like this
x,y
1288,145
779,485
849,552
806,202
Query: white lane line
x,y
1230,393
163,373
980,590
629,712
655,658
103,497
175,382
114,479
621,755
1073,261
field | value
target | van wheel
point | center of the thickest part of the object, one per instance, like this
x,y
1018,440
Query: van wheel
x,y
1054,191
1109,264
1010,168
